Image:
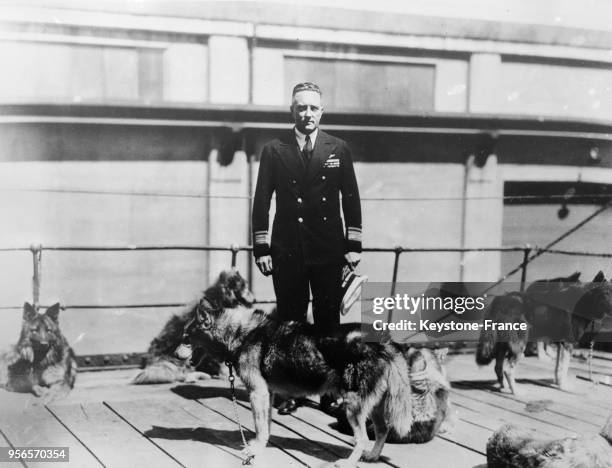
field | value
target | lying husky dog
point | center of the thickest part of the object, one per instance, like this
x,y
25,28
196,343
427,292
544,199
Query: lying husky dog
x,y
293,359
160,364
42,362
512,446
557,312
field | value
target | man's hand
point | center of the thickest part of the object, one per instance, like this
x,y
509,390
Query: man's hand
x,y
264,264
353,259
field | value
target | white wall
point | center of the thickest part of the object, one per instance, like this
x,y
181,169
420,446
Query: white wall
x,y
556,90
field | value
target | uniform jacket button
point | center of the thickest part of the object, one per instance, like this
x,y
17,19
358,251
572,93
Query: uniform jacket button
x,y
324,218
300,220
299,200
322,177
324,199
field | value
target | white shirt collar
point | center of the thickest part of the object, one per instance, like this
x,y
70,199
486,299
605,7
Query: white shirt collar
x,y
301,138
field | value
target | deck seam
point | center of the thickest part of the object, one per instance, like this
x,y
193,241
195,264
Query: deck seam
x,y
314,441
74,435
271,443
12,446
137,430
519,400
550,423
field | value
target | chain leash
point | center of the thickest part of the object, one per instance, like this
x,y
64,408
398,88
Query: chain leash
x,y
249,456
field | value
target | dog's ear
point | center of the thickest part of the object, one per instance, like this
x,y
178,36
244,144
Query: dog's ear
x,y
29,312
599,277
222,277
53,312
574,277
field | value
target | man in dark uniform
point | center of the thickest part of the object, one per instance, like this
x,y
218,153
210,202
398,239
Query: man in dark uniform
x,y
308,170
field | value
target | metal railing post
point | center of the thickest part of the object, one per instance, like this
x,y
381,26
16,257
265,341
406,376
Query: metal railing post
x,y
398,251
36,250
235,249
526,252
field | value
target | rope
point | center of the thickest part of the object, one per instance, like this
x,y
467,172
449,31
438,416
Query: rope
x,y
531,258
544,249
559,197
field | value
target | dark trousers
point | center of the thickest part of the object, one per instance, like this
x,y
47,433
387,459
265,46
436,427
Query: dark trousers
x,y
292,280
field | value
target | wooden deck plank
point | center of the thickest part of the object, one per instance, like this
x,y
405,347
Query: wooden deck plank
x,y
553,401
584,402
95,425
176,432
326,435
106,417
463,367
468,435
116,392
474,416
4,442
595,397
461,433
299,448
576,366
35,426
223,423
547,416
598,395
217,410
493,417
440,452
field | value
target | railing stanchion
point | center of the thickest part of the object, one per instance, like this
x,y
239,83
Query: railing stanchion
x,y
36,250
526,252
235,249
398,251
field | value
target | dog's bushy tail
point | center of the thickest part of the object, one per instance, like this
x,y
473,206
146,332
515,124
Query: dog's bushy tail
x,y
485,351
398,405
161,371
511,308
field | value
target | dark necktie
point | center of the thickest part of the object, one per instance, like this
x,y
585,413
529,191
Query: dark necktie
x,y
307,150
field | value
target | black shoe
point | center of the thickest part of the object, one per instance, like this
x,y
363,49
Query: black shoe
x,y
289,406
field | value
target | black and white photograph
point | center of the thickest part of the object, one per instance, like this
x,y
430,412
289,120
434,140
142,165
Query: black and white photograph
x,y
327,234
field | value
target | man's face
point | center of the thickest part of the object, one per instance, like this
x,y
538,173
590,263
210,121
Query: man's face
x,y
306,110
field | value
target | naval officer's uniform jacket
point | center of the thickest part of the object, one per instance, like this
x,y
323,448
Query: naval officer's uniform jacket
x,y
308,223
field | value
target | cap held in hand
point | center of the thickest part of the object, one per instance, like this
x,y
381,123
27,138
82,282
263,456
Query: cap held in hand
x,y
351,288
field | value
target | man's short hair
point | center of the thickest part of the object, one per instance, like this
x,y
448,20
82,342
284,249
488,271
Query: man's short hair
x,y
306,86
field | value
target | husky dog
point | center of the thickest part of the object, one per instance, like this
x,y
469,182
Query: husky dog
x,y
431,406
511,446
541,348
161,365
558,312
294,359
41,362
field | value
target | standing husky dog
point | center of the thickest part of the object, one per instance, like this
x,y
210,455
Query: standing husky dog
x,y
431,406
555,311
161,365
293,359
41,362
